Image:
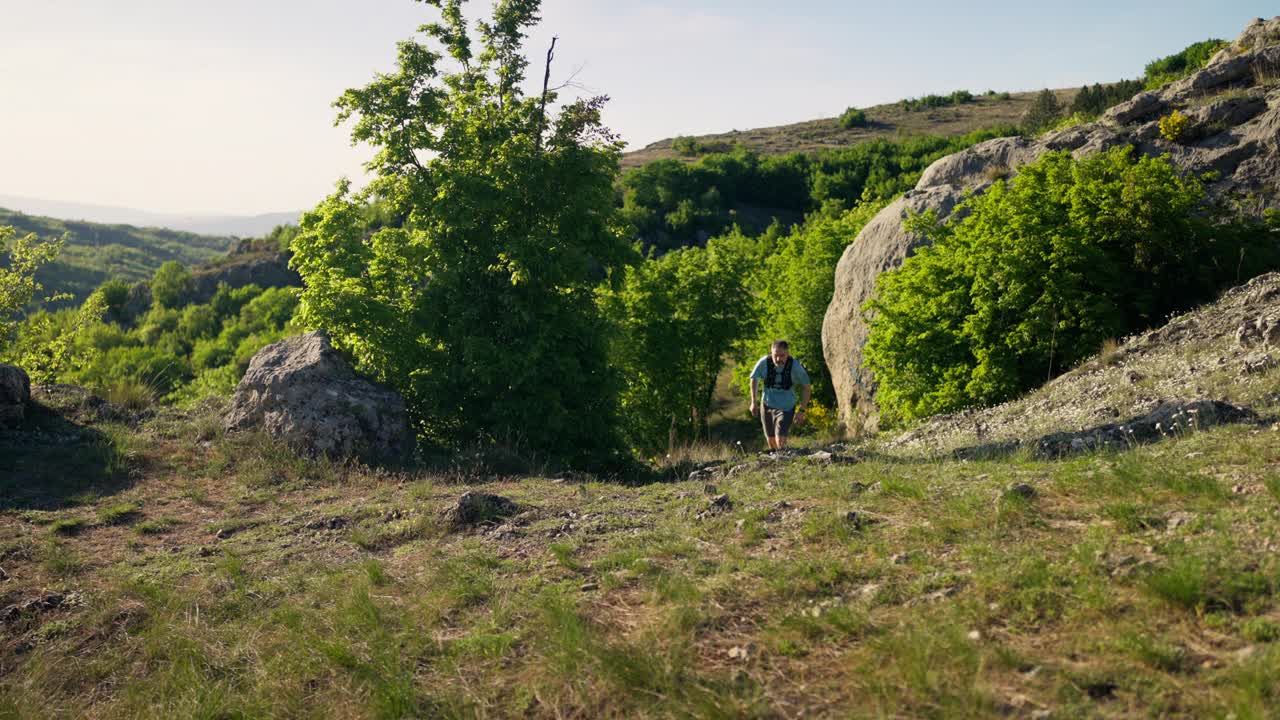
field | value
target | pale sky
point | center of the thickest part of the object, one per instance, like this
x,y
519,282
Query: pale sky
x,y
225,106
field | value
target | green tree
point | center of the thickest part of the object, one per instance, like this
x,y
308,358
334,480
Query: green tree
x,y
676,317
479,304
170,284
1041,271
793,286
18,285
1044,111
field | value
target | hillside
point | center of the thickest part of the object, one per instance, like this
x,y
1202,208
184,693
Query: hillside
x,y
888,122
153,566
95,253
221,225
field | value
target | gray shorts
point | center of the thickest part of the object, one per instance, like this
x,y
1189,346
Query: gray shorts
x,y
777,423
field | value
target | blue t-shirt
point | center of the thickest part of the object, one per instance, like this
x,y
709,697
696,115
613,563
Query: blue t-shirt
x,y
777,397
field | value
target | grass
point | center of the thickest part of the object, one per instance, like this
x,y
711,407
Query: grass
x,y
1128,583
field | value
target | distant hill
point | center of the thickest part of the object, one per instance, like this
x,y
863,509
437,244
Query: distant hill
x,y
246,226
96,252
883,122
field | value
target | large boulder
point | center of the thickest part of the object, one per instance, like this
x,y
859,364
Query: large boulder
x,y
1234,108
15,394
301,391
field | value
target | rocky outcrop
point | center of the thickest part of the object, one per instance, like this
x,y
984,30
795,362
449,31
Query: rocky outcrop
x,y
264,269
15,394
1233,106
301,391
1204,368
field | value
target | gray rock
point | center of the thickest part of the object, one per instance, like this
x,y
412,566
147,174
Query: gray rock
x,y
1171,418
301,391
882,245
15,394
476,508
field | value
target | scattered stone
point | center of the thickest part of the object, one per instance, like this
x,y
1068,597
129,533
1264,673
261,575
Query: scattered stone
x,y
506,531
975,635
700,476
741,653
331,523
1178,518
900,559
721,503
778,511
204,551
588,587
860,520
476,508
1170,418
1257,364
15,394
17,611
857,488
301,391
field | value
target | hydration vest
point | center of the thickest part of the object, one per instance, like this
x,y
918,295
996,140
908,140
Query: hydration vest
x,y
779,381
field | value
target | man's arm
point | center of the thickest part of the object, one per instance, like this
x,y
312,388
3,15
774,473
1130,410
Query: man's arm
x,y
755,393
804,402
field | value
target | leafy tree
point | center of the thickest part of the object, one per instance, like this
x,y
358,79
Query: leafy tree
x,y
1182,63
793,286
1044,111
479,305
170,284
18,284
1041,271
676,317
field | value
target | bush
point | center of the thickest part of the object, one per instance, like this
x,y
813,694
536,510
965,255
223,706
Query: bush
x,y
1181,64
1173,127
1043,113
18,285
1041,271
853,118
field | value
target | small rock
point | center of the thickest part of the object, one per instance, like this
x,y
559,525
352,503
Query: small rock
x,y
741,653
1021,490
901,559
588,587
860,520
740,525
475,508
857,488
974,635
204,551
1178,518
721,503
710,489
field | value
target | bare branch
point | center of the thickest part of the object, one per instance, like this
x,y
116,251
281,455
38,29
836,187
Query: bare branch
x,y
546,82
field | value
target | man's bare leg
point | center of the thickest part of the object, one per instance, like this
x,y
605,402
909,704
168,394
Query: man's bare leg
x,y
773,442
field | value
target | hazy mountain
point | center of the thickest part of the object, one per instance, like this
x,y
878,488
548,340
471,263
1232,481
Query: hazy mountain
x,y
226,225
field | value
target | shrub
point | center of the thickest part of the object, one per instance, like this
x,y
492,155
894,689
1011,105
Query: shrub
x,y
853,118
170,284
1182,63
1173,127
18,285
1041,272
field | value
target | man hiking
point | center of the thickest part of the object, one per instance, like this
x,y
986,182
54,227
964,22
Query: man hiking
x,y
779,373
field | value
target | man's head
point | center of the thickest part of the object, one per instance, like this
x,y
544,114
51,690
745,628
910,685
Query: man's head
x,y
780,352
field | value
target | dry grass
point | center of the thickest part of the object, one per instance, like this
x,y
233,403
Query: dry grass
x,y
884,122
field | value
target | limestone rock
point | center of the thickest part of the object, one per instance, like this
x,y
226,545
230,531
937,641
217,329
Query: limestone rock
x,y
15,394
476,508
302,391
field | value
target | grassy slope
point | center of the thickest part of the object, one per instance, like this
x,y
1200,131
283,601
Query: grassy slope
x,y
885,121
95,252
216,576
